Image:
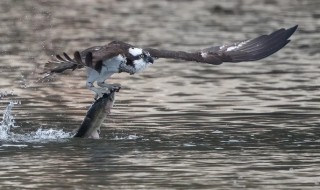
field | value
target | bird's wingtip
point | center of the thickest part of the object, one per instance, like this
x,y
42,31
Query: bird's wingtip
x,y
292,30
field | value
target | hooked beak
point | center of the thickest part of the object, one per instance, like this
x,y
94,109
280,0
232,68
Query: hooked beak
x,y
150,59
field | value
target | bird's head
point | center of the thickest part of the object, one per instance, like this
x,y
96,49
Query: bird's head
x,y
139,59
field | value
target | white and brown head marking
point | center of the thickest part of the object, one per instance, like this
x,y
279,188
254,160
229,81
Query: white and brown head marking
x,y
135,51
139,58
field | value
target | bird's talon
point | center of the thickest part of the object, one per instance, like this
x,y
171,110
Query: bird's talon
x,y
117,89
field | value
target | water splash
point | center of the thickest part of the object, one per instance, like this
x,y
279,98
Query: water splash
x,y
8,121
5,93
129,137
50,134
41,136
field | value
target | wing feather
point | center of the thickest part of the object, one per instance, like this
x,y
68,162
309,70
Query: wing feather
x,y
247,50
92,57
67,57
88,59
77,57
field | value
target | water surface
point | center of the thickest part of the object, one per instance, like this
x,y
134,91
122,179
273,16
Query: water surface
x,y
178,125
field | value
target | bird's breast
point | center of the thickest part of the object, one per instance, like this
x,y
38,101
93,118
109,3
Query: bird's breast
x,y
112,65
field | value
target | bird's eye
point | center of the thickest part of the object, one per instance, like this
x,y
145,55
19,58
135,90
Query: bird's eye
x,y
142,55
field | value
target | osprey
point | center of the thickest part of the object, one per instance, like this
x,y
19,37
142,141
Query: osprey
x,y
116,57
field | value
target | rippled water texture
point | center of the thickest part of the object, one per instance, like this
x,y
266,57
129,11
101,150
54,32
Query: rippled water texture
x,y
178,125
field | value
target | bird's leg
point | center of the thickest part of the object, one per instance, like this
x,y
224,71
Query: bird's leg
x,y
99,91
111,87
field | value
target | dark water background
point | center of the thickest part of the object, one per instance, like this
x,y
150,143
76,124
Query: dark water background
x,y
178,125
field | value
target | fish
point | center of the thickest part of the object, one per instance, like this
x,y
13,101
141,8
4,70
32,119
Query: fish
x,y
98,111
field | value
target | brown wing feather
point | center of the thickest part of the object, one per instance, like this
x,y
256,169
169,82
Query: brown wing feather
x,y
106,52
64,64
92,57
248,50
77,58
62,67
158,53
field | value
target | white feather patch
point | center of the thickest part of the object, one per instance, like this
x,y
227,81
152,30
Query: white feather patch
x,y
112,65
231,48
135,51
140,65
204,54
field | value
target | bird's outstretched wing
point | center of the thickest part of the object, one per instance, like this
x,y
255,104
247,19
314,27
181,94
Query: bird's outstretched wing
x,y
91,57
248,50
66,62
80,60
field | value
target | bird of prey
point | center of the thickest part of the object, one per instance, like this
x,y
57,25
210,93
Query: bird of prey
x,y
116,57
